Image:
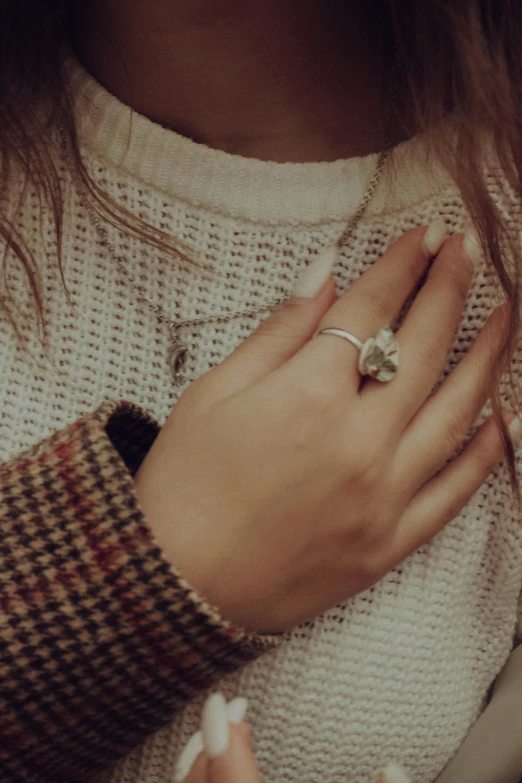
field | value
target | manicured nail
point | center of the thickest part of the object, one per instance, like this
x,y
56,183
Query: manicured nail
x,y
236,709
214,725
435,236
395,774
471,246
515,430
312,279
188,756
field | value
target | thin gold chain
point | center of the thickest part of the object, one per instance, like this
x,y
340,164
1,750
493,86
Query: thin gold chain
x,y
103,236
381,163
178,350
227,316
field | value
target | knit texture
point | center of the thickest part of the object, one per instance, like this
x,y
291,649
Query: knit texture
x,y
401,671
101,642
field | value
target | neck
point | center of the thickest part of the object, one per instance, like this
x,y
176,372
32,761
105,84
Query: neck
x,y
275,80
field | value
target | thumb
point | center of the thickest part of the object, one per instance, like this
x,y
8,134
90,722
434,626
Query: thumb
x,y
281,335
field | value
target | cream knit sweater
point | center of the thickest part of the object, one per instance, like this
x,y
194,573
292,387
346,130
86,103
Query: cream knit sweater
x,y
400,672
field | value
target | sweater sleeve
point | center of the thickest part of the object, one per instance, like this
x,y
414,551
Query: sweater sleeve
x,y
101,641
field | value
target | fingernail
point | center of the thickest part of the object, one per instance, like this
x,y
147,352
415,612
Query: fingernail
x,y
312,279
435,236
515,430
236,709
188,756
214,725
395,774
471,246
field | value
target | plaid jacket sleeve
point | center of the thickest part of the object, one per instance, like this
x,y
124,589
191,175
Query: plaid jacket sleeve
x,y
101,641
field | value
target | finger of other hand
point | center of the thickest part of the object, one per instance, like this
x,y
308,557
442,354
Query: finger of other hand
x,y
237,764
225,742
198,771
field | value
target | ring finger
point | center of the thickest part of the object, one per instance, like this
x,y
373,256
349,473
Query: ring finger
x,y
426,335
375,299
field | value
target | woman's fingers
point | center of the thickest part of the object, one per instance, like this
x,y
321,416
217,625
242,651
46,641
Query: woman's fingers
x,y
426,335
221,752
375,299
282,334
230,756
198,771
238,764
439,428
188,757
437,431
442,498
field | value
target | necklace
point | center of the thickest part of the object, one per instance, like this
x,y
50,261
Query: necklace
x,y
178,350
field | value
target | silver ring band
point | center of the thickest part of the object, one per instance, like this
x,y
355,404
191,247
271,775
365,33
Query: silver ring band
x,y
378,356
341,333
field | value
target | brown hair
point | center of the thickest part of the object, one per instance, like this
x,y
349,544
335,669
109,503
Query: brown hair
x,y
448,56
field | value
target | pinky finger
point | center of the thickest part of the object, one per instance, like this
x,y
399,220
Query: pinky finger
x,y
441,499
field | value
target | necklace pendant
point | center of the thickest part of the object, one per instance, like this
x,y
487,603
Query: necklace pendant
x,y
177,356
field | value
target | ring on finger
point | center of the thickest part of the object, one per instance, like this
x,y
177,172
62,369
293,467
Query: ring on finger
x,y
378,356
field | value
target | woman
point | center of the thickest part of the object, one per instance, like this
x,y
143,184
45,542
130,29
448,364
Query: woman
x,y
351,538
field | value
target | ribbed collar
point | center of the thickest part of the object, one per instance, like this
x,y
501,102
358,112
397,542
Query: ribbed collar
x,y
259,191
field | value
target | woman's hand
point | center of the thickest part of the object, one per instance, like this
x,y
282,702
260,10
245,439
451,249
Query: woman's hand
x,y
282,483
236,765
222,751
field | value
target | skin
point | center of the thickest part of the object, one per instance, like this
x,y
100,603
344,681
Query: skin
x,y
282,80
276,80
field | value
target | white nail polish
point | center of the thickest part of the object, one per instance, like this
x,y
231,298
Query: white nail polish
x,y
236,709
515,430
471,246
435,236
214,725
395,774
312,279
188,756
